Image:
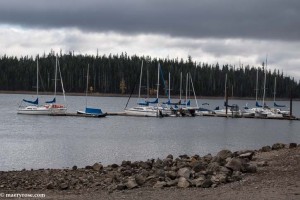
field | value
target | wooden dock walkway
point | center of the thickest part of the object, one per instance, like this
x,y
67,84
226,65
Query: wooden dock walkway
x,y
205,115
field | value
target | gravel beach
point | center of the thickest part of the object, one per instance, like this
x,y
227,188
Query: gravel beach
x,y
273,172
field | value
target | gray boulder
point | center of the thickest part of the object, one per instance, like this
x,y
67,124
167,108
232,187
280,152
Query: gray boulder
x,y
183,183
184,172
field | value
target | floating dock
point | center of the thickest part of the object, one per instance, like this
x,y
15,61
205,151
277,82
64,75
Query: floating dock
x,y
204,115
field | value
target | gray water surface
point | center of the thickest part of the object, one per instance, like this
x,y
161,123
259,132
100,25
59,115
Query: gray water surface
x,y
58,142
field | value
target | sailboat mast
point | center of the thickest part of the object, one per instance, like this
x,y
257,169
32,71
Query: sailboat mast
x,y
186,88
157,89
169,86
225,87
256,89
194,91
157,92
55,77
274,89
147,83
140,81
37,76
87,84
180,85
265,70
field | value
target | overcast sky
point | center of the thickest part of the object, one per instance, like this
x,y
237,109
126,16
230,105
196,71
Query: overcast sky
x,y
224,31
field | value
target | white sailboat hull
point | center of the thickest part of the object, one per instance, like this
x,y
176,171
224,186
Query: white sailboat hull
x,y
42,110
142,111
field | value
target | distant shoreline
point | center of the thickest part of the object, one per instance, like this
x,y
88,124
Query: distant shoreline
x,y
96,94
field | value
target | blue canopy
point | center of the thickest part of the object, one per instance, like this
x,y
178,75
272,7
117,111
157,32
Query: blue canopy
x,y
52,101
276,105
36,102
93,111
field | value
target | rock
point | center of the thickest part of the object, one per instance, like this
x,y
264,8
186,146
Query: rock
x,y
108,180
266,149
97,167
292,145
224,154
199,181
248,155
251,168
184,156
213,166
198,166
236,176
140,179
184,172
262,164
278,146
15,184
50,186
125,163
160,184
160,173
234,164
170,156
144,165
172,183
207,183
171,174
90,178
208,158
131,183
121,186
88,167
74,167
127,173
183,183
219,178
63,186
114,166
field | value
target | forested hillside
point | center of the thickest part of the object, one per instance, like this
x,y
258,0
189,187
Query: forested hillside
x,y
114,73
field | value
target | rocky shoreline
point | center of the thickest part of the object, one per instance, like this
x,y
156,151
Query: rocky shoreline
x,y
182,172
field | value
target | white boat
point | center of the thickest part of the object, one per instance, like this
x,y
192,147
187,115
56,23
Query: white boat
x,y
144,108
51,107
228,111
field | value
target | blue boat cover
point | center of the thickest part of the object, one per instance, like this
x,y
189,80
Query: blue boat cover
x,y
174,104
257,105
52,101
36,102
93,111
276,105
146,103
186,103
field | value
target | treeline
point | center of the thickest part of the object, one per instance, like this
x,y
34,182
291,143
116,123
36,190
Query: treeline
x,y
120,73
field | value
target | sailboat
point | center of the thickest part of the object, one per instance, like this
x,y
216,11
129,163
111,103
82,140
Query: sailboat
x,y
232,110
51,107
264,111
144,107
93,112
278,108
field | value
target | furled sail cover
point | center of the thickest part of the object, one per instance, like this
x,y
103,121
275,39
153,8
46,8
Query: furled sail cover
x,y
257,105
52,101
276,105
36,102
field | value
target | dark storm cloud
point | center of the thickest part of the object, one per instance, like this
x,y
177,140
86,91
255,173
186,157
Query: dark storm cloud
x,y
258,19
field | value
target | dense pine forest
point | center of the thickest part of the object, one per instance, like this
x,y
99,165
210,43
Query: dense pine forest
x,y
120,74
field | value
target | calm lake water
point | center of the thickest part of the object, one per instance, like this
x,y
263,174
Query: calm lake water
x,y
59,142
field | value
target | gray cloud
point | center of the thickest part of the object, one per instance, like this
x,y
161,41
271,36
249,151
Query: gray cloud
x,y
255,19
